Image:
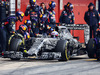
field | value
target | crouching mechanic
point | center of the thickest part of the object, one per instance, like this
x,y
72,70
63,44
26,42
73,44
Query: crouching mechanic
x,y
34,11
6,29
23,31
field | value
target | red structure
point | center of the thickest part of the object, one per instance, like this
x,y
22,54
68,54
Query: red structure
x,y
80,6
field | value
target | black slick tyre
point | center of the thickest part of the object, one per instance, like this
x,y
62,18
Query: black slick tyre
x,y
91,47
62,46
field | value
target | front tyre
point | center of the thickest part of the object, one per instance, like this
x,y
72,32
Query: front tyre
x,y
62,46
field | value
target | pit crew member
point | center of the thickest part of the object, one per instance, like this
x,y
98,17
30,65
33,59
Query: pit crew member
x,y
34,11
7,28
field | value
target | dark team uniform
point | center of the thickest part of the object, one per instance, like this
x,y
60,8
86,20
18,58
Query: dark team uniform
x,y
67,17
51,18
6,29
43,23
34,13
92,19
4,7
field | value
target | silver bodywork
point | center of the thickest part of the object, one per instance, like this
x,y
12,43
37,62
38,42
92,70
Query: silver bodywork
x,y
66,35
47,43
50,43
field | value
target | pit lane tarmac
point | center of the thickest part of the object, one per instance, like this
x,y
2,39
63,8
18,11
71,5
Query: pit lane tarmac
x,y
80,65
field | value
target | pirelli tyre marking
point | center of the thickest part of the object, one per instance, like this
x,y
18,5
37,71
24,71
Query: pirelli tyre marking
x,y
66,52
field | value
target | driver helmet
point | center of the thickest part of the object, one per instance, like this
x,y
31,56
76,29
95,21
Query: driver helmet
x,y
54,34
52,5
32,3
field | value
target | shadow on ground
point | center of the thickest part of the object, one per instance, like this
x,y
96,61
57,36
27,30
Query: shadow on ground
x,y
41,60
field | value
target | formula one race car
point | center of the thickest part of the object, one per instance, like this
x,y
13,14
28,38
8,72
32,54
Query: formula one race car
x,y
60,48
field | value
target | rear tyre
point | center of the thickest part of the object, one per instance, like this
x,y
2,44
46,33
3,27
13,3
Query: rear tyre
x,y
62,46
91,47
15,46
